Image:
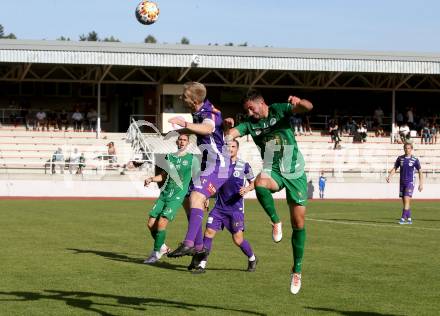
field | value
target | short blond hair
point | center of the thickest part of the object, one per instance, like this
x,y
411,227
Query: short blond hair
x,y
197,89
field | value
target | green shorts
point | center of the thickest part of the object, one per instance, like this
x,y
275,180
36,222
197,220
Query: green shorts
x,y
166,208
296,189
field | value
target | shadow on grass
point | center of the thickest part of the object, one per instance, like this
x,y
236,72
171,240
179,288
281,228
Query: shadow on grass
x,y
96,302
348,313
123,257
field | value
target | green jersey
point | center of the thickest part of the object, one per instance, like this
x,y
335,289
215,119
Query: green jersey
x,y
178,176
276,140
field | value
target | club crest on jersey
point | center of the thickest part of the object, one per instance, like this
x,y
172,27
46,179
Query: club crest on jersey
x,y
236,173
258,132
272,121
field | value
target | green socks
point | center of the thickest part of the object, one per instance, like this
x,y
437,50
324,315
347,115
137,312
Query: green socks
x,y
298,241
160,239
265,198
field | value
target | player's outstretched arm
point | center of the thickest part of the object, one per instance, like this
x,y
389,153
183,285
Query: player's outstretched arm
x,y
300,105
159,178
392,172
421,179
231,134
204,128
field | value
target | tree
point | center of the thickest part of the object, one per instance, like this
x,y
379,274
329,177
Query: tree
x,y
111,39
62,38
243,44
184,41
2,33
229,44
150,39
91,37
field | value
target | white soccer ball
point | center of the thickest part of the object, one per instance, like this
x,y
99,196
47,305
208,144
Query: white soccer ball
x,y
147,12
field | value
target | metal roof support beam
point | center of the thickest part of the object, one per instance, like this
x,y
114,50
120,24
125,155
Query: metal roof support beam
x,y
25,71
68,72
403,82
106,71
239,77
183,73
295,78
435,81
364,79
146,74
420,82
332,79
259,76
206,74
221,77
129,74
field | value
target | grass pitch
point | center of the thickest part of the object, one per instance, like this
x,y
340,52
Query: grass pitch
x,y
85,258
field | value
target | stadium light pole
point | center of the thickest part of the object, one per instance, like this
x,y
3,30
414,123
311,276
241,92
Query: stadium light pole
x,y
98,121
393,113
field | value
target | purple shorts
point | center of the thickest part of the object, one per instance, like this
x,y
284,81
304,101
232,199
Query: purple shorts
x,y
217,220
406,189
210,180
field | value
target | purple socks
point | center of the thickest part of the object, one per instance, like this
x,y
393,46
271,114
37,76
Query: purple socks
x,y
194,228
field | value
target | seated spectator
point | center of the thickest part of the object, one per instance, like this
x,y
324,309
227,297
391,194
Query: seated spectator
x,y
111,154
379,131
92,117
51,120
395,133
77,119
399,119
40,120
404,133
434,132
82,164
74,161
426,134
63,121
57,160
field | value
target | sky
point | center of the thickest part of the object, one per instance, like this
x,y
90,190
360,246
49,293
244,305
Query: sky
x,y
373,25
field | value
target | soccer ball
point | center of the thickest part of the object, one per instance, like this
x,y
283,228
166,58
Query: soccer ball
x,y
147,12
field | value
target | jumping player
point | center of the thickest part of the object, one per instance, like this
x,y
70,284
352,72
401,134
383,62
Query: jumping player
x,y
408,165
171,197
208,126
228,212
283,166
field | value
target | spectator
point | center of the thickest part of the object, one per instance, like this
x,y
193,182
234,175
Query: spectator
x,y
12,108
24,113
77,118
350,126
334,133
362,130
40,120
57,160
434,132
63,121
51,120
379,131
306,125
410,118
111,153
168,108
296,121
426,134
74,161
404,133
399,119
92,117
82,164
395,132
378,116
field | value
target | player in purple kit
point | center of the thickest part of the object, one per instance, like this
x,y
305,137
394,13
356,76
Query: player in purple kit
x,y
208,126
408,164
228,212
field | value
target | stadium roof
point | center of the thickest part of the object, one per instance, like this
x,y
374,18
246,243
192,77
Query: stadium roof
x,y
216,57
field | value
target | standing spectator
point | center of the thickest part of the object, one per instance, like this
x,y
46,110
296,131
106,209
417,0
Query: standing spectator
x,y
334,133
92,117
378,116
58,160
111,153
410,118
306,125
24,113
40,120
322,181
434,132
395,132
74,160
77,118
82,164
12,108
399,119
296,121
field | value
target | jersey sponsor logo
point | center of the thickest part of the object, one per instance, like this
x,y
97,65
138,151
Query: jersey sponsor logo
x,y
210,220
211,188
272,121
185,163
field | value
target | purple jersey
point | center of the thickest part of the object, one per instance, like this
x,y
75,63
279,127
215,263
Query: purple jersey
x,y
213,143
228,197
408,166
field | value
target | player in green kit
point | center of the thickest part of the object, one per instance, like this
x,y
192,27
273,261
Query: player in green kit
x,y
283,166
177,177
